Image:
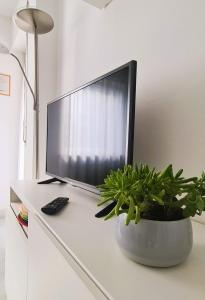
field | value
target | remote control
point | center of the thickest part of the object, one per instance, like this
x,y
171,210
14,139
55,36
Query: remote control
x,y
55,206
105,211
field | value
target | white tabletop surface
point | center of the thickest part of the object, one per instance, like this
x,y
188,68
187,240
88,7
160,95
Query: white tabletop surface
x,y
92,242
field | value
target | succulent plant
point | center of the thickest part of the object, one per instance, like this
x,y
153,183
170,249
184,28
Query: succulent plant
x,y
143,192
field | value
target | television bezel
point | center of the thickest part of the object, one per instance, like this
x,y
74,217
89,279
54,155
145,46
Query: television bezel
x,y
132,66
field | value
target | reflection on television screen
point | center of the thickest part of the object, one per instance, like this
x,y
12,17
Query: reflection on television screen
x,y
88,130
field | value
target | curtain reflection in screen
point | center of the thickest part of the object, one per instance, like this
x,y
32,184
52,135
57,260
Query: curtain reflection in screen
x,y
90,130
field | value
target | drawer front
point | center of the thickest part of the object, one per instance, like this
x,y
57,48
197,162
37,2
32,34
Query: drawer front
x,y
50,276
16,262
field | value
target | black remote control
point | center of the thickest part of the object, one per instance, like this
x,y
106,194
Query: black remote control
x,y
105,211
55,206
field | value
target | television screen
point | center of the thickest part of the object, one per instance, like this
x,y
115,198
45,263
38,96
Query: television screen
x,y
90,130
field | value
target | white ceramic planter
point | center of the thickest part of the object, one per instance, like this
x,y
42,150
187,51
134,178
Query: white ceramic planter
x,y
155,243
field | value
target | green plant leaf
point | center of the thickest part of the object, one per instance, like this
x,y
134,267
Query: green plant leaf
x,y
137,214
168,172
118,206
131,211
110,215
200,203
158,199
141,191
179,173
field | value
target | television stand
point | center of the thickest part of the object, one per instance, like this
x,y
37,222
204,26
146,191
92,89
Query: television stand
x,y
48,181
73,267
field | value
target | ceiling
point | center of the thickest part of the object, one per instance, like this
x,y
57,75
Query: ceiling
x,y
8,7
99,3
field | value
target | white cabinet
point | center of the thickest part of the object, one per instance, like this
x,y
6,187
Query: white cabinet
x,y
74,256
38,266
50,277
16,259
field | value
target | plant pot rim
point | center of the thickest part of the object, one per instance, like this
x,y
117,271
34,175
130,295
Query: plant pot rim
x,y
158,221
180,220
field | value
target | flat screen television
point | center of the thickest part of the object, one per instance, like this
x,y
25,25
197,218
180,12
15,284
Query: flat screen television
x,y
90,130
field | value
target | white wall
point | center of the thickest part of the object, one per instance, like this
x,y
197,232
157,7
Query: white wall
x,y
9,128
9,116
5,30
167,39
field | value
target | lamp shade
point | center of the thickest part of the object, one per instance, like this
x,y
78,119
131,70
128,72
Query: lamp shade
x,y
33,20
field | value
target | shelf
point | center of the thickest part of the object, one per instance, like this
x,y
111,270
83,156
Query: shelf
x,y
16,206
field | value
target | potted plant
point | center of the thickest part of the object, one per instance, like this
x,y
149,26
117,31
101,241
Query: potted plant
x,y
154,210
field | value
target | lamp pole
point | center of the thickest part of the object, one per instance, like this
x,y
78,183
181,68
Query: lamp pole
x,y
35,21
36,104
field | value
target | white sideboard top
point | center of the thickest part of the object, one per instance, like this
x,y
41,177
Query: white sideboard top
x,y
92,243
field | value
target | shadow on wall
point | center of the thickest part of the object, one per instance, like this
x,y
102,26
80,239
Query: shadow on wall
x,y
152,143
170,129
170,119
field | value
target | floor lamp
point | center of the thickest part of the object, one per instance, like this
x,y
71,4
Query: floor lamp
x,y
35,21
5,50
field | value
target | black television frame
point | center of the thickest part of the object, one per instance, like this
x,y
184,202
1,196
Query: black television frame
x,y
132,65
